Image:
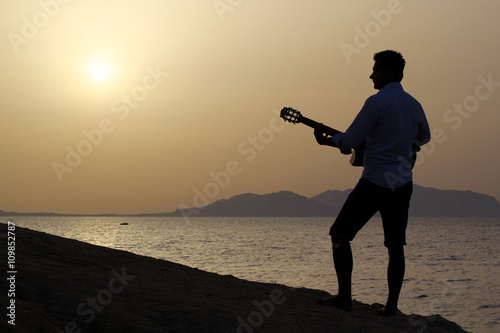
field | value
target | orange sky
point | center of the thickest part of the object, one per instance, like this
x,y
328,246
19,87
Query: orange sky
x,y
187,112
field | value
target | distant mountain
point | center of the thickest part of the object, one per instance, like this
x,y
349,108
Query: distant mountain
x,y
430,202
2,213
283,203
333,199
426,202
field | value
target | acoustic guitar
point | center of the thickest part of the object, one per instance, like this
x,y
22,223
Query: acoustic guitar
x,y
295,117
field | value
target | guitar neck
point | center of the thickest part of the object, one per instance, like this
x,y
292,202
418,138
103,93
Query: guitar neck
x,y
315,124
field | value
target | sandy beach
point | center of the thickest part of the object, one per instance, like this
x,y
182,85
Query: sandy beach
x,y
64,285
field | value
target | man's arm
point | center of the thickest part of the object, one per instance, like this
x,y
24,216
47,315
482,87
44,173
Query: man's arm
x,y
332,141
322,138
424,132
356,134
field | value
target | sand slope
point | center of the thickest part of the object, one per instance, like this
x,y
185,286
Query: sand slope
x,y
64,285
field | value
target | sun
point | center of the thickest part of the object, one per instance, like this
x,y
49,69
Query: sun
x,y
100,71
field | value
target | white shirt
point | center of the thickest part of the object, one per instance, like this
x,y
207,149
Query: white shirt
x,y
390,122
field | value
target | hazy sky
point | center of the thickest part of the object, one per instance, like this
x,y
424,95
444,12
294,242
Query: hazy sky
x,y
131,106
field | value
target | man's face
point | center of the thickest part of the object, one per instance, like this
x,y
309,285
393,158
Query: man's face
x,y
380,77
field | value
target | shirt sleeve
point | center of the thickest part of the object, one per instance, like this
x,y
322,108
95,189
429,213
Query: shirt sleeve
x,y
424,132
362,125
337,141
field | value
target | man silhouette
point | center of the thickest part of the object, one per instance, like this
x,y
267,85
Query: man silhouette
x,y
392,124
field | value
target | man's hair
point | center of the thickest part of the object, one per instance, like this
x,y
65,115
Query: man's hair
x,y
390,59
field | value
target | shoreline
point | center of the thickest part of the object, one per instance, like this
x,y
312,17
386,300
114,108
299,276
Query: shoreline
x,y
64,285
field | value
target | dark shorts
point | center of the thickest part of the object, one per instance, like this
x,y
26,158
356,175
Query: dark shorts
x,y
364,201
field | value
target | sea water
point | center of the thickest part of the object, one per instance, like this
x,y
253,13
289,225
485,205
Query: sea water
x,y
452,265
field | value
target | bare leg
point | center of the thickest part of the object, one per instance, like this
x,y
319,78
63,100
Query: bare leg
x,y
395,276
343,262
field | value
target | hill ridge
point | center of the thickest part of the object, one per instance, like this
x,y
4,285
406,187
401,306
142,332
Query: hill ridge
x,y
425,202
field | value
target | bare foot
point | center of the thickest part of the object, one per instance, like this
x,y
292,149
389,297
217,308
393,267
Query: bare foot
x,y
344,304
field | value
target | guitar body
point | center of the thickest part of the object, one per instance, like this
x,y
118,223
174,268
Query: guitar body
x,y
358,155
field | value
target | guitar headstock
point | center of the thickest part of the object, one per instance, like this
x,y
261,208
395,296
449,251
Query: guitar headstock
x,y
291,115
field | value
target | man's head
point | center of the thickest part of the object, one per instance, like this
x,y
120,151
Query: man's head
x,y
388,67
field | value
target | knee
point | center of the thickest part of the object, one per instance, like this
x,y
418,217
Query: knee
x,y
337,243
396,251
